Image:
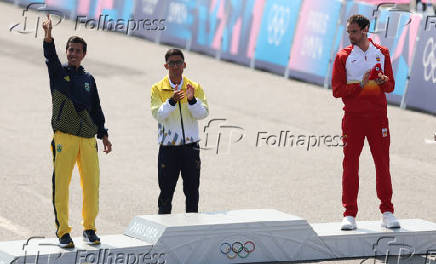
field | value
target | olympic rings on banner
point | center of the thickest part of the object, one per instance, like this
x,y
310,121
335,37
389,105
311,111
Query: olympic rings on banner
x,y
429,61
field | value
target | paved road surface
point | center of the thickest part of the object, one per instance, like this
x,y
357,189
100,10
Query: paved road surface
x,y
292,179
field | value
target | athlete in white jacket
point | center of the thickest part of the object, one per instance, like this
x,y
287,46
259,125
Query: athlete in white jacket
x,y
177,104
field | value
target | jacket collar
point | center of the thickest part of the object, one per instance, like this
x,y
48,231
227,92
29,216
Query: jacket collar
x,y
173,85
166,84
71,68
370,47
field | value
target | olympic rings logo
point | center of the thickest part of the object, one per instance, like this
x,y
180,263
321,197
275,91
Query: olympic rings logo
x,y
429,60
177,13
237,249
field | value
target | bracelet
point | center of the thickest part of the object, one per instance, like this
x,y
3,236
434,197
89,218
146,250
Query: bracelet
x,y
172,102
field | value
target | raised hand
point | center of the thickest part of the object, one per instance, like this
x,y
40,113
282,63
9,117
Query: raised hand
x,y
47,26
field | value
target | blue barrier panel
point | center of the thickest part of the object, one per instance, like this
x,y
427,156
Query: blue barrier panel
x,y
208,26
241,16
276,34
106,15
27,2
314,40
342,39
179,23
200,27
150,11
421,93
31,22
64,5
397,30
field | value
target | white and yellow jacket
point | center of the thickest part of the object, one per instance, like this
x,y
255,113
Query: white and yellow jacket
x,y
177,125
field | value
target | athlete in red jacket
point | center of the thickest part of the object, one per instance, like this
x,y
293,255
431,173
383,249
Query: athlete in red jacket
x,y
365,115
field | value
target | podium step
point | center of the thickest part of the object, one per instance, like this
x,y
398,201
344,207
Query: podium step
x,y
239,236
415,236
37,250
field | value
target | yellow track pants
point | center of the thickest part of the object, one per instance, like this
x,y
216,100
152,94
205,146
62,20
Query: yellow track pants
x,y
67,150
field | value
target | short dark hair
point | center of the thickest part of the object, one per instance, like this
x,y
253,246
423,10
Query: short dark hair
x,y
360,20
76,39
172,52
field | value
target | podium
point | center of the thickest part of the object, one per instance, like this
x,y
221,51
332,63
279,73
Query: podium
x,y
241,236
238,236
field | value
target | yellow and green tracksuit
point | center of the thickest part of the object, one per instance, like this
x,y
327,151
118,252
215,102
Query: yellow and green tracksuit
x,y
67,151
76,119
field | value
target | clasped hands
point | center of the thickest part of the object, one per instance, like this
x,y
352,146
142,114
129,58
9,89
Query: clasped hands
x,y
180,94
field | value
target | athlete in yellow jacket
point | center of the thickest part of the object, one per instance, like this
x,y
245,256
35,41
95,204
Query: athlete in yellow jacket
x,y
177,103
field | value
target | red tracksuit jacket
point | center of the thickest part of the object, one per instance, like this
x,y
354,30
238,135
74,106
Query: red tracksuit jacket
x,y
350,65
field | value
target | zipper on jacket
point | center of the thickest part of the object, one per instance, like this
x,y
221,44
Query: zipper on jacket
x,y
80,127
61,108
181,121
163,135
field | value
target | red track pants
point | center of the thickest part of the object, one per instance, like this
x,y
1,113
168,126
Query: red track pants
x,y
376,130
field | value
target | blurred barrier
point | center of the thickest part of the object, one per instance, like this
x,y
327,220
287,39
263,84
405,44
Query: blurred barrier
x,y
208,22
401,43
66,6
350,8
314,39
296,38
274,39
149,9
376,2
421,93
179,22
242,20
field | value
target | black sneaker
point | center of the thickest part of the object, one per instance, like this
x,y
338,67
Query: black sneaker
x,y
66,242
90,237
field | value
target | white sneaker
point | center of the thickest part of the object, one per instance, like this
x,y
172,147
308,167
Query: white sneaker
x,y
390,221
348,223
